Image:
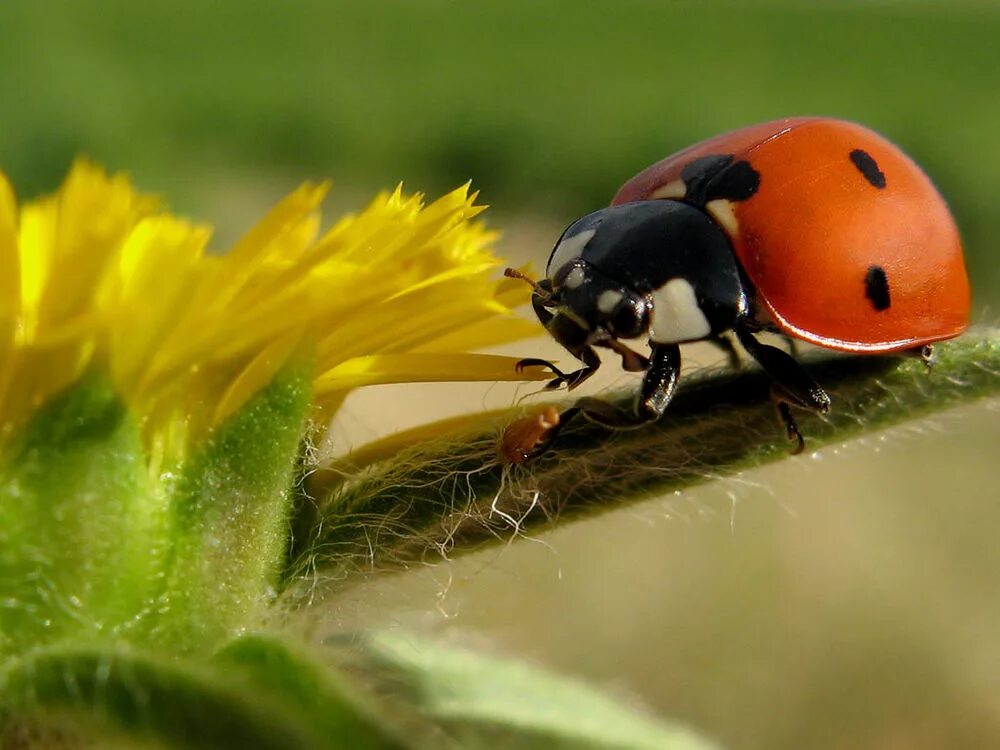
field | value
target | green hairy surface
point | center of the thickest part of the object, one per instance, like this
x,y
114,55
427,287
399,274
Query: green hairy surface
x,y
453,493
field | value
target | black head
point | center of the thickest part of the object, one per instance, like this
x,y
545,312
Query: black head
x,y
662,267
596,303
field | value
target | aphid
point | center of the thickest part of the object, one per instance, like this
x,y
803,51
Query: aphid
x,y
814,228
525,437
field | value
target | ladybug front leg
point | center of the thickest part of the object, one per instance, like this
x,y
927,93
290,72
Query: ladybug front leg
x,y
591,362
655,394
793,386
574,343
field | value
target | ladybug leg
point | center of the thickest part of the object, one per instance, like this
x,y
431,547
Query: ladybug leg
x,y
655,394
540,301
726,345
792,344
929,356
631,361
793,385
591,362
925,354
560,376
784,406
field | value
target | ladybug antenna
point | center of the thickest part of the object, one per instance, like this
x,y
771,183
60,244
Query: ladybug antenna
x,y
513,273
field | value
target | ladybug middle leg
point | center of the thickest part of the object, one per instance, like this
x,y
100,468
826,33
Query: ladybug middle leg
x,y
925,354
725,345
655,394
793,386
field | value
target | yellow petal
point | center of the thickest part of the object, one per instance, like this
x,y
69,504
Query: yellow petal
x,y
10,263
379,369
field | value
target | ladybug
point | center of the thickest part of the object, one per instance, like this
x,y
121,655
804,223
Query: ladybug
x,y
810,227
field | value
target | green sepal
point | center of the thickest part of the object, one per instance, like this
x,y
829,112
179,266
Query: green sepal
x,y
79,524
94,548
229,523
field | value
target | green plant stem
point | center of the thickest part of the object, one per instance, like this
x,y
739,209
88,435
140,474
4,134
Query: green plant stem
x,y
452,493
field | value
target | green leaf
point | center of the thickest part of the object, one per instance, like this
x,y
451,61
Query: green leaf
x,y
237,702
79,526
140,696
449,493
324,700
484,702
262,692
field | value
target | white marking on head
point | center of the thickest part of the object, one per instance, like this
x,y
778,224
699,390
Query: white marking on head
x,y
574,278
673,189
608,301
568,250
722,211
676,314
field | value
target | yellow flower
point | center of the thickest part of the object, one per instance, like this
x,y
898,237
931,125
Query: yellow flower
x,y
100,277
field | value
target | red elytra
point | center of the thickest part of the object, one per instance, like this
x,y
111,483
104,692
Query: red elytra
x,y
834,204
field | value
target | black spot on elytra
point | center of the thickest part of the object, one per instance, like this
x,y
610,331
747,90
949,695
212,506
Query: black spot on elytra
x,y
877,288
718,176
868,167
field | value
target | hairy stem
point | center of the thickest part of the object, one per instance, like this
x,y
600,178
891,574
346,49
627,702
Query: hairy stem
x,y
428,494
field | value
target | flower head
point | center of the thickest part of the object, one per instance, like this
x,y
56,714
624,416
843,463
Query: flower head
x,y
100,276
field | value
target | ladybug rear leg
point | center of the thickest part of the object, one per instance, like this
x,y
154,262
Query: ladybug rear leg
x,y
784,406
793,385
925,354
655,394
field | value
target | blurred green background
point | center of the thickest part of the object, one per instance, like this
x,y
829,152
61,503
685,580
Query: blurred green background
x,y
842,601
547,106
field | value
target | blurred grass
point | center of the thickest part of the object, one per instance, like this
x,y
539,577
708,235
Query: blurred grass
x,y
547,106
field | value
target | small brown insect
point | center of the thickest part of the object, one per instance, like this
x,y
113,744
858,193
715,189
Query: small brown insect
x,y
523,437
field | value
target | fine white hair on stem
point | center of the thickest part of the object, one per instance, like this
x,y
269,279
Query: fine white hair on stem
x,y
432,499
